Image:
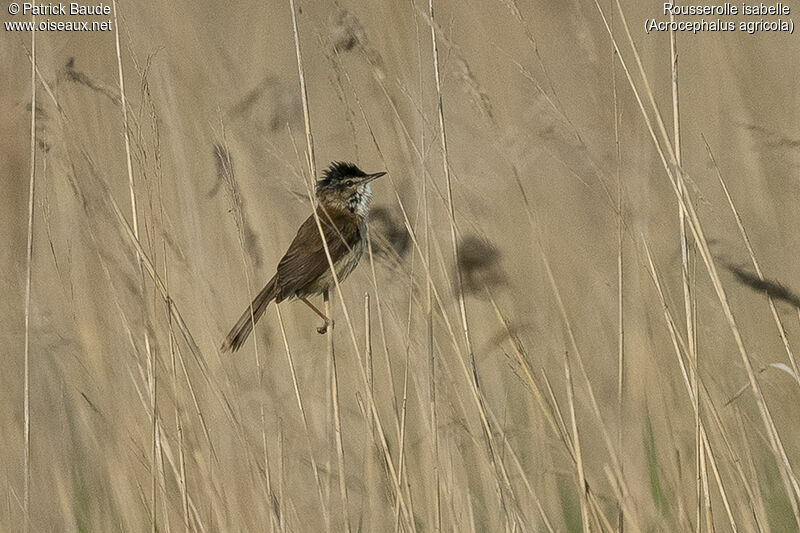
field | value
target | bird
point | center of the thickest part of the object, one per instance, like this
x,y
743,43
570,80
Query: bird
x,y
343,195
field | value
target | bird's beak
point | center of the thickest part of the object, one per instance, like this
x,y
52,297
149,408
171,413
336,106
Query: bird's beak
x,y
370,177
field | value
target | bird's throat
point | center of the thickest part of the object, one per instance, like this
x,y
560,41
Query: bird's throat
x,y
358,202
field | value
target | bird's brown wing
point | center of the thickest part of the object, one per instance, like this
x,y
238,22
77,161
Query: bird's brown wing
x,y
305,260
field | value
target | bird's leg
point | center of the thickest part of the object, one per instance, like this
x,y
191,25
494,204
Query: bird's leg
x,y
322,329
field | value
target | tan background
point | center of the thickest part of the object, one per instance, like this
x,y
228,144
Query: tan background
x,y
199,75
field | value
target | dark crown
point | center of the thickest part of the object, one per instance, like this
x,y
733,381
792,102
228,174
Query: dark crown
x,y
338,171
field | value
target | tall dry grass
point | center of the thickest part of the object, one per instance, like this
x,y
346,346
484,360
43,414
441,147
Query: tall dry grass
x,y
576,312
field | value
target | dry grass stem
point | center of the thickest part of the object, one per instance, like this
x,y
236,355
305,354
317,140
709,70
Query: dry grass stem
x,y
26,491
556,324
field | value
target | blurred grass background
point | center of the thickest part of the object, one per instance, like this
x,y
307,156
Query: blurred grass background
x,y
545,143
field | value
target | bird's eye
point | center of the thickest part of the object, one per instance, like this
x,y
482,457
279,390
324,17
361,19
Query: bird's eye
x,y
349,183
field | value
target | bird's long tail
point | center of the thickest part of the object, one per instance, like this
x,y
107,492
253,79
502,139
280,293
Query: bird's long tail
x,y
244,326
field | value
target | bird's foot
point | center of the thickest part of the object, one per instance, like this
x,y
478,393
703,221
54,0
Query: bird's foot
x,y
323,329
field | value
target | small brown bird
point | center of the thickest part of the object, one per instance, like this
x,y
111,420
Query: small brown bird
x,y
343,195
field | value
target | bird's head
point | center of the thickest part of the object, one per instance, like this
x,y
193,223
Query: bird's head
x,y
345,186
